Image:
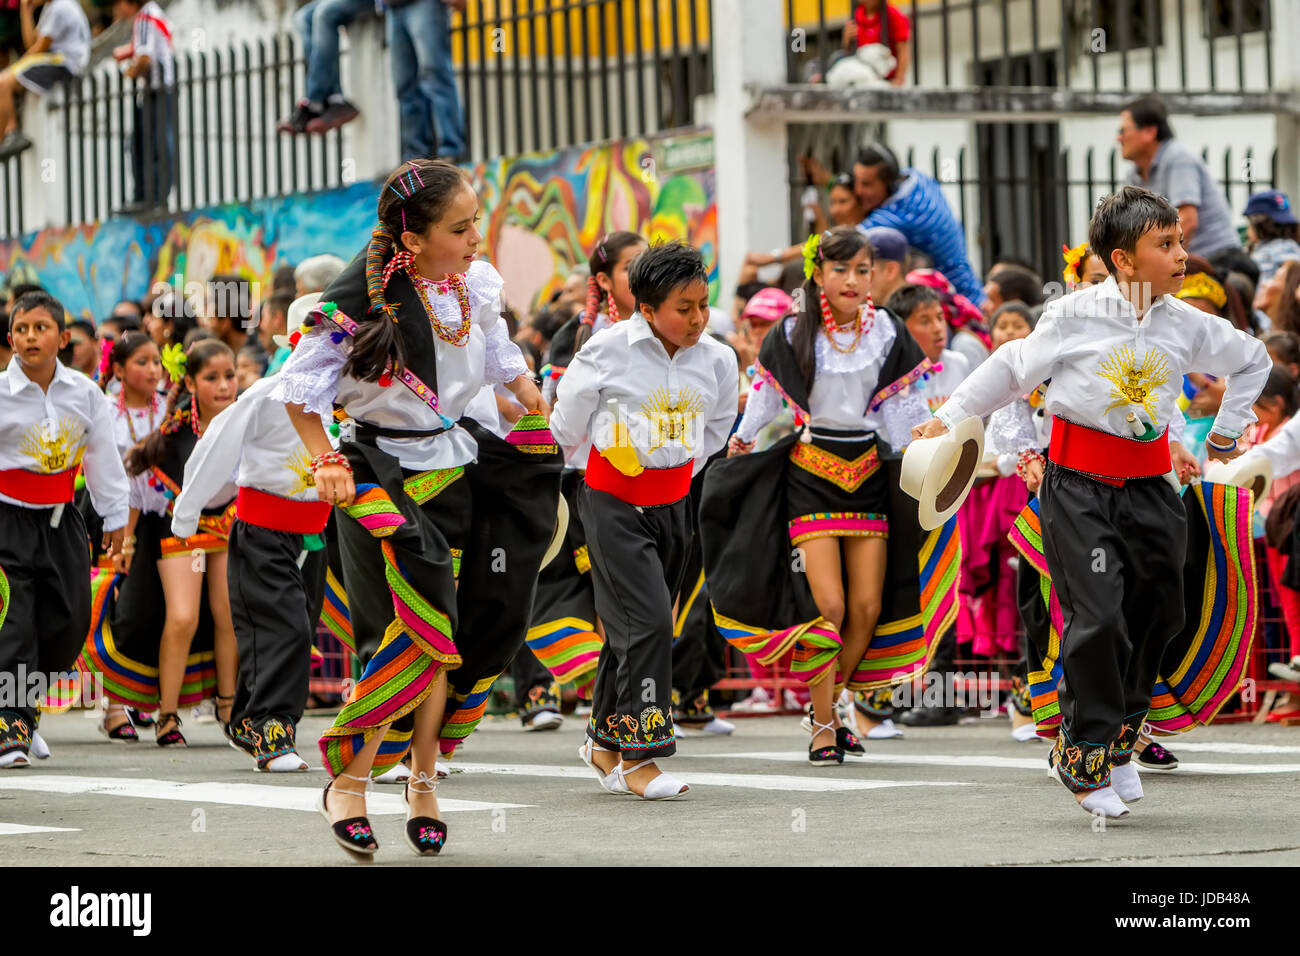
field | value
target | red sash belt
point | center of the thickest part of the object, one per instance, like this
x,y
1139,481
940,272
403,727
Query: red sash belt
x,y
1107,457
35,488
654,486
281,514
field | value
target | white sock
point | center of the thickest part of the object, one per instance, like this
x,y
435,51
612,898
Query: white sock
x,y
286,763
40,749
1104,802
15,758
1124,778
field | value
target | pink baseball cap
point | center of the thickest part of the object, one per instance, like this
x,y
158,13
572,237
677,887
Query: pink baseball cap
x,y
767,305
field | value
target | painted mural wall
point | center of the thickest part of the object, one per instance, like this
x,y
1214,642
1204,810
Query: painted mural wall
x,y
542,214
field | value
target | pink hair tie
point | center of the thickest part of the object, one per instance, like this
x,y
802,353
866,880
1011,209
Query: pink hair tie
x,y
105,366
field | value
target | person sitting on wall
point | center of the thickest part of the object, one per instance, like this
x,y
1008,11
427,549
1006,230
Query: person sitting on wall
x,y
58,48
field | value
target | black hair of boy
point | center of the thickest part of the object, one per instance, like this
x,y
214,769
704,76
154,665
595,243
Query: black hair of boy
x,y
1123,217
22,288
1018,285
654,274
40,300
908,298
1014,308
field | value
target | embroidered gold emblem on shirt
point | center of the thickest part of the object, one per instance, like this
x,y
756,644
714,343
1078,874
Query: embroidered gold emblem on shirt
x,y
299,464
1133,382
54,447
670,419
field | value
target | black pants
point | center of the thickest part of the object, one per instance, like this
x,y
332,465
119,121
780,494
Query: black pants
x,y
47,615
637,559
529,673
1116,559
153,145
275,606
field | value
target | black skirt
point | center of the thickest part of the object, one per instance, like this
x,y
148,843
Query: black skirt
x,y
836,488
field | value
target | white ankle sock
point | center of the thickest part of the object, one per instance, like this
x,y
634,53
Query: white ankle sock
x,y
1105,802
15,758
1126,782
286,763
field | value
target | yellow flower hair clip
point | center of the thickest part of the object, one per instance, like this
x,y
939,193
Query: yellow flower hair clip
x,y
1073,259
811,254
1202,286
173,360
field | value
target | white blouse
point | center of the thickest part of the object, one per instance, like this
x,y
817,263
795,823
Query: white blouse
x,y
313,376
132,426
844,385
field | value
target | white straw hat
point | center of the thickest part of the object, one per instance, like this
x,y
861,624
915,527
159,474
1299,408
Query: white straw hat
x,y
298,310
1249,471
939,472
557,536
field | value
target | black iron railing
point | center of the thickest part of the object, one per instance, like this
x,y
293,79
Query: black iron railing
x,y
545,74
1125,45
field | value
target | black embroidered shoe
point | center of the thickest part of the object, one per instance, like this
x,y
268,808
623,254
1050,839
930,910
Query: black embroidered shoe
x,y
15,740
1156,757
848,742
173,737
273,749
824,756
353,834
240,737
425,835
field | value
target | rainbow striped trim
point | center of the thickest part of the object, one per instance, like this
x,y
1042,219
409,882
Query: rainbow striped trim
x,y
427,485
568,647
103,584
819,639
1215,663
531,434
901,650
129,682
838,524
335,614
464,718
375,511
416,648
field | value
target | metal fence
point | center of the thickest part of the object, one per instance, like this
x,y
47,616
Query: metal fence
x,y
553,73
1124,45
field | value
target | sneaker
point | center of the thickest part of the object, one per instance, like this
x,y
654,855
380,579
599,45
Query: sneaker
x,y
716,726
205,712
546,720
13,144
792,701
335,115
1288,672
1156,757
15,740
759,701
303,114
885,730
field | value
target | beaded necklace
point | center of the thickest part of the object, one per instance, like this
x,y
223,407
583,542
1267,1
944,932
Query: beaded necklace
x,y
866,319
454,282
126,413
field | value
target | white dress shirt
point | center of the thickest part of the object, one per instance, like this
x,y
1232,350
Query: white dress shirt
x,y
843,388
939,387
256,436
675,409
313,376
52,431
1104,363
1282,448
132,424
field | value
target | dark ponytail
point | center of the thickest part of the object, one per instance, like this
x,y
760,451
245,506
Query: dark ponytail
x,y
837,245
603,259
414,197
150,450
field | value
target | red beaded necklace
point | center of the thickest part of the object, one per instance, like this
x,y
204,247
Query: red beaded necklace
x,y
454,282
866,319
126,413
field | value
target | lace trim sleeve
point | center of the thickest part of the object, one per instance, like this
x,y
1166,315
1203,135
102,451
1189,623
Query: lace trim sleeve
x,y
310,376
900,414
502,360
763,405
483,283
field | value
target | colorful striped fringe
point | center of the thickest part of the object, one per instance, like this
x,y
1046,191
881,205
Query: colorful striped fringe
x,y
335,614
816,644
1215,662
531,434
416,648
103,583
901,650
838,524
568,647
461,721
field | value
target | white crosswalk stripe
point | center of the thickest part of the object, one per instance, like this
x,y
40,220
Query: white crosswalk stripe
x,y
266,796
989,760
15,829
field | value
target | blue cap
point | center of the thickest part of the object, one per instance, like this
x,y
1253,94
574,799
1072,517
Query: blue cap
x,y
1274,204
889,244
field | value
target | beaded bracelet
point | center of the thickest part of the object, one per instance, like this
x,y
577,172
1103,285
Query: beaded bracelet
x,y
1026,456
331,458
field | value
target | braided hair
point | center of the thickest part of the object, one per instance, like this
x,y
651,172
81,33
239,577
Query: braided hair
x,y
602,262
414,198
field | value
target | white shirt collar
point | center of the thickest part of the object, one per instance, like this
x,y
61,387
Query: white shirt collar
x,y
1110,290
18,379
638,329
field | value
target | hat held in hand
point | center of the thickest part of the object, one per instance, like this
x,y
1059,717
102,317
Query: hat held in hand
x,y
939,472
